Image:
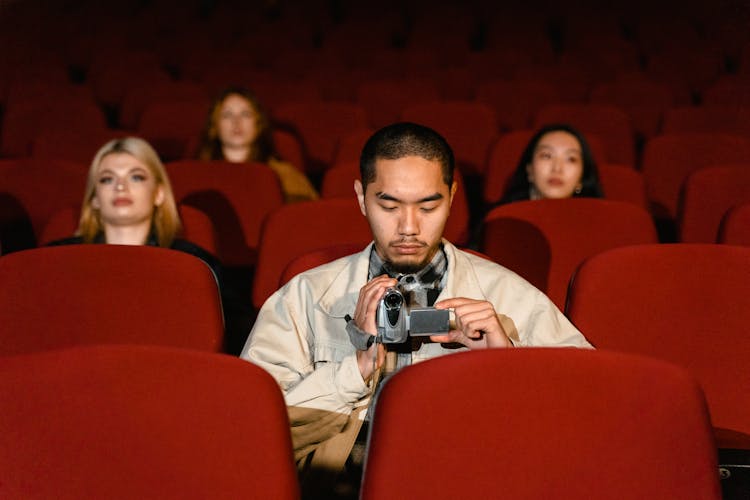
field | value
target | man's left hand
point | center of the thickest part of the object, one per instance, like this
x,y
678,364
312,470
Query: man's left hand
x,y
476,324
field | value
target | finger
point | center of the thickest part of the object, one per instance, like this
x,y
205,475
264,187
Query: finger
x,y
452,303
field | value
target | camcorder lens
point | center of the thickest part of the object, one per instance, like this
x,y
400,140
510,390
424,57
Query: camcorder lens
x,y
393,300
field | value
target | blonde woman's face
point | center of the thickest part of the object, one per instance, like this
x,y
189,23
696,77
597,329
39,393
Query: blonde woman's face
x,y
237,124
557,166
126,191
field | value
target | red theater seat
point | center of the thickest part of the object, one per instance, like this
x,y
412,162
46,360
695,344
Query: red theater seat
x,y
142,422
541,423
685,303
62,296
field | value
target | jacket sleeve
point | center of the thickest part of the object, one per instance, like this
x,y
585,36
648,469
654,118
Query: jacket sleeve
x,y
320,394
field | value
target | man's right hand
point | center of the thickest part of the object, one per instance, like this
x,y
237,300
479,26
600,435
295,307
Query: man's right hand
x,y
365,319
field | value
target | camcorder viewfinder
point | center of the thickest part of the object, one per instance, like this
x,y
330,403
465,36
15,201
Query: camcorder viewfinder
x,y
396,320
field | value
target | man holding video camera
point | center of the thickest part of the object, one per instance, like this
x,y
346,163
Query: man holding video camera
x,y
331,333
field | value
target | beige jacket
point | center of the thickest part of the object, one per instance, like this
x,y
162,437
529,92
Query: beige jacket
x,y
300,338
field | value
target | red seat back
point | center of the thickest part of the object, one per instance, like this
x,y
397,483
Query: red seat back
x,y
293,230
545,240
469,127
107,294
668,160
685,303
564,423
707,194
140,422
237,198
735,226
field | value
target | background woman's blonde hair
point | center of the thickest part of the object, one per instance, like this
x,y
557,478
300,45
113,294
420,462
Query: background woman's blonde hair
x,y
165,223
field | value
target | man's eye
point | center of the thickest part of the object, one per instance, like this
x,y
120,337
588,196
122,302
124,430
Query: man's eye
x,y
427,209
388,208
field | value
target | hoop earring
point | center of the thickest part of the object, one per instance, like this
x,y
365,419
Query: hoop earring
x,y
578,189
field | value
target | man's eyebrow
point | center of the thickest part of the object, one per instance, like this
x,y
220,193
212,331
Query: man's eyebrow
x,y
426,199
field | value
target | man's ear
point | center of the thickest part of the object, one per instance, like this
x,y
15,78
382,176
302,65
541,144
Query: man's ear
x,y
454,187
360,190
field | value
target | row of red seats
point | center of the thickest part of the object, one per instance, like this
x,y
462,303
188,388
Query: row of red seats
x,y
176,111
114,418
651,283
237,213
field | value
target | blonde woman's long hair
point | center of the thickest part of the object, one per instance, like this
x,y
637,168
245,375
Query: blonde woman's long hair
x,y
165,222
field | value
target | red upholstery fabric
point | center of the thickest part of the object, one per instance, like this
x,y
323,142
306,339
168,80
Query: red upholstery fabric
x,y
170,126
196,227
338,182
39,188
726,119
685,303
237,198
668,159
23,120
319,124
293,230
707,194
623,183
469,127
142,422
643,100
545,240
70,144
541,423
735,226
386,99
515,102
610,123
289,148
317,258
349,146
506,153
91,294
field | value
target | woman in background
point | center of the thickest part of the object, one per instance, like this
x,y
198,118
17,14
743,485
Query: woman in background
x,y
557,163
238,130
128,200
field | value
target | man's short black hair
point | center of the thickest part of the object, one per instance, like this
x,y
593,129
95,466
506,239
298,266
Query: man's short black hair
x,y
400,140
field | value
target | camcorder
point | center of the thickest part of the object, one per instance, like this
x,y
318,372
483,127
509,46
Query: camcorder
x,y
396,320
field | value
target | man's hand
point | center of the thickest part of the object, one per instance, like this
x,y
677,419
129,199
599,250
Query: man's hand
x,y
477,325
364,318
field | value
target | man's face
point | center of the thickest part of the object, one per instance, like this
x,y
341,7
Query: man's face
x,y
406,206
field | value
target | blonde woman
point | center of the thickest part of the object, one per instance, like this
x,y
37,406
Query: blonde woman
x,y
129,201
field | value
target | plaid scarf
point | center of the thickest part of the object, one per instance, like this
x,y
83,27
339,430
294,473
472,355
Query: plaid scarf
x,y
420,288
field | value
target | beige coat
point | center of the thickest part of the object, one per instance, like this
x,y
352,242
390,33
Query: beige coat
x,y
299,336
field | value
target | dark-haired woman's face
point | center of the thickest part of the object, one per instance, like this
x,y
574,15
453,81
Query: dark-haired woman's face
x,y
237,122
556,168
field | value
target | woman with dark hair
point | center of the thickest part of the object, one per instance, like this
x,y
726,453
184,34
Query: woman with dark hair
x,y
238,130
557,163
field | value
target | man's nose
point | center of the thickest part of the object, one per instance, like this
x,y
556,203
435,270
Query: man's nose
x,y
409,222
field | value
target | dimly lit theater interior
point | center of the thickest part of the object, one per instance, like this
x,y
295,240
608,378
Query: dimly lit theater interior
x,y
177,178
